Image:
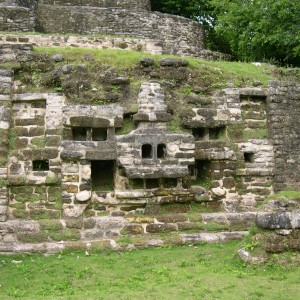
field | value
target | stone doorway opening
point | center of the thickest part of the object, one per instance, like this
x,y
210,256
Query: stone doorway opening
x,y
103,173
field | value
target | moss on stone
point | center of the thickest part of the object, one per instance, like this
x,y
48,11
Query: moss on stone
x,y
21,214
74,223
28,197
65,235
40,214
18,205
89,213
73,246
34,238
52,180
40,190
50,225
101,245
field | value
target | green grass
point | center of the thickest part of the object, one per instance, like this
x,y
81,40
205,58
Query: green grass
x,y
286,194
202,272
222,72
119,59
258,133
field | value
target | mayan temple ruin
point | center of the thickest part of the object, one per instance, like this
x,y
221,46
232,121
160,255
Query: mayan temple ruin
x,y
80,172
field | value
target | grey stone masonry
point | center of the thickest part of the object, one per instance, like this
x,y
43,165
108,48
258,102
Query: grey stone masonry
x,y
6,81
284,123
35,136
11,50
151,151
176,35
129,4
90,119
172,34
14,18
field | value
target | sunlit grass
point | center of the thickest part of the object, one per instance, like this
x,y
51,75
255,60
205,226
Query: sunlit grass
x,y
238,73
202,272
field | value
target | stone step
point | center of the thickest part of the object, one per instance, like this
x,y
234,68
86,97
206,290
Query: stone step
x,y
209,237
11,246
245,218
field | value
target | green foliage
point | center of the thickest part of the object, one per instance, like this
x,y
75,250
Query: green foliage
x,y
251,30
12,139
175,125
128,126
3,182
260,30
203,180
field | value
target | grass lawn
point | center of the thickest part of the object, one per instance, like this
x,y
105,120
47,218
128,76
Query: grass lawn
x,y
202,272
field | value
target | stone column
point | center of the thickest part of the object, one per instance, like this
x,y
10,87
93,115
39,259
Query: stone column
x,y
5,105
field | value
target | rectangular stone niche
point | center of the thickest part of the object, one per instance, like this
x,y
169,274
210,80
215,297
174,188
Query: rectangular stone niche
x,y
206,134
99,134
249,157
200,172
102,176
79,133
153,183
87,134
40,165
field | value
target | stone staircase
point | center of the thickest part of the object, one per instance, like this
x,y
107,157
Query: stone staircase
x,y
123,232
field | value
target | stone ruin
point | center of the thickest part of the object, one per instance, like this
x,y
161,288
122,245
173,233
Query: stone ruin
x,y
69,177
130,18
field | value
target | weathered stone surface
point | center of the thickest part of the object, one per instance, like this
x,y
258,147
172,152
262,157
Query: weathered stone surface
x,y
147,62
173,62
73,211
133,229
158,228
279,220
172,218
83,196
213,237
218,192
93,116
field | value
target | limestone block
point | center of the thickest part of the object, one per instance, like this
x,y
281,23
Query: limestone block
x,y
93,116
219,192
158,228
74,211
83,196
173,62
278,220
9,238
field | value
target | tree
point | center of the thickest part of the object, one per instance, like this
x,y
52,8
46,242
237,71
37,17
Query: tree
x,y
264,30
250,30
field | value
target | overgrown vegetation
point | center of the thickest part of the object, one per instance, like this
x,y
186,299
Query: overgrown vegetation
x,y
250,30
288,194
189,272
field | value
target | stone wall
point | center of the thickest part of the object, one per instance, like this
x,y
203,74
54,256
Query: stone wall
x,y
177,35
14,18
34,168
125,43
10,52
128,4
284,126
173,34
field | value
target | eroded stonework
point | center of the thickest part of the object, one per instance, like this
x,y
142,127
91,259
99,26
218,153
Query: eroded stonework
x,y
134,19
